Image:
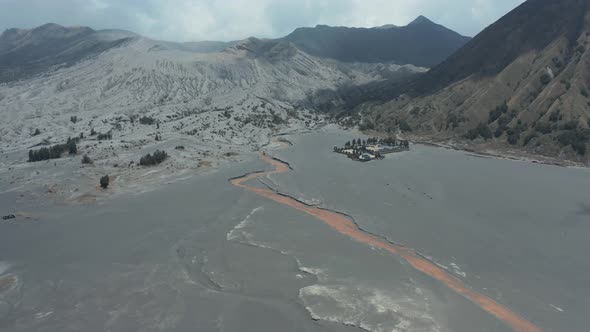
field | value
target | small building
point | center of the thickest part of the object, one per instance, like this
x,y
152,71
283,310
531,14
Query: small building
x,y
348,151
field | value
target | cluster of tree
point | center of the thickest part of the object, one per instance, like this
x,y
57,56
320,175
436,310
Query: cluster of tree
x,y
544,127
276,119
179,147
362,144
104,137
158,138
355,143
388,140
577,138
86,159
104,182
482,130
555,116
404,126
497,112
55,151
147,120
545,79
515,132
153,159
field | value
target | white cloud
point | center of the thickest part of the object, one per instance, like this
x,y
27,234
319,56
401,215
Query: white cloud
x,y
184,20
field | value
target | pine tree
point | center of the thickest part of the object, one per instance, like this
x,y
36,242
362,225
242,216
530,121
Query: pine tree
x,y
104,182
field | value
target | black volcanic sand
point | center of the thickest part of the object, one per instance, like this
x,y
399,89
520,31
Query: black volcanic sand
x,y
205,255
153,261
514,231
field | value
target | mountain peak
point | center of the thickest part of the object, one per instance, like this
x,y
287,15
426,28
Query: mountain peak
x,y
49,26
387,26
421,20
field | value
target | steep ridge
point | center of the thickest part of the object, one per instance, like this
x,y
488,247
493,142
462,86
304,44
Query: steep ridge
x,y
421,43
25,53
522,83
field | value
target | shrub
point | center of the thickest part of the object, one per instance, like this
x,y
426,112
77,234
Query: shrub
x,y
155,159
37,132
74,119
513,138
499,131
577,138
404,126
453,121
504,120
86,159
145,120
481,130
472,134
554,117
179,147
514,133
484,131
584,92
495,115
103,137
529,138
71,145
545,79
543,127
92,132
104,182
570,125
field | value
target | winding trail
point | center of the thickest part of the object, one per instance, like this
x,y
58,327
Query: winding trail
x,y
346,226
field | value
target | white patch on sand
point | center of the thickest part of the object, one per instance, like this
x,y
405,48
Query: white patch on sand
x,y
315,271
557,308
457,270
41,315
371,309
238,231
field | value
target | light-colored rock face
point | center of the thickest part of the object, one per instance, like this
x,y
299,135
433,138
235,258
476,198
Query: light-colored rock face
x,y
233,100
141,79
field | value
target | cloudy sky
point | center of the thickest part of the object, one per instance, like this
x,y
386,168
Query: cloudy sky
x,y
192,20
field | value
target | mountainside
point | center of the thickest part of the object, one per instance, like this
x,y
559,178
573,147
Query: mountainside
x,y
125,95
421,43
25,53
522,83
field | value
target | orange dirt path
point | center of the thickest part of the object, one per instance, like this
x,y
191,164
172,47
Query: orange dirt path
x,y
346,226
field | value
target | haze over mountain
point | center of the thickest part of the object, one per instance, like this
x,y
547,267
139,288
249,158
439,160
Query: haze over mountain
x,y
522,82
422,43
